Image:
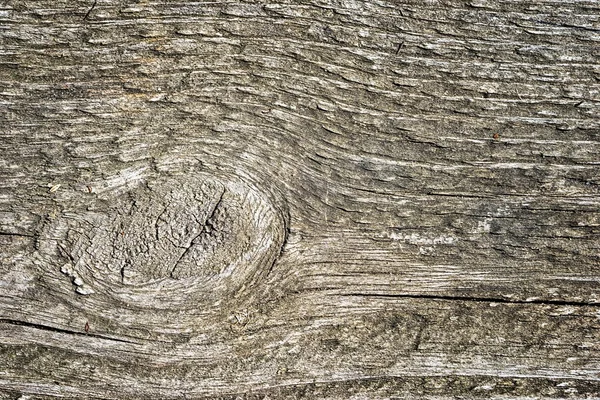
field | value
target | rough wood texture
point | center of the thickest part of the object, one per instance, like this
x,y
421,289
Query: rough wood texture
x,y
308,199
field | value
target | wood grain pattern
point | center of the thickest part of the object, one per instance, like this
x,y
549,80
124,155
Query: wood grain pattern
x,y
309,199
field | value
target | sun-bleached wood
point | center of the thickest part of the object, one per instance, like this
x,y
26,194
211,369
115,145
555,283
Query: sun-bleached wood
x,y
310,199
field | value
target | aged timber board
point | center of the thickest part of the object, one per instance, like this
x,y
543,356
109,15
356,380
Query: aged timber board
x,y
307,199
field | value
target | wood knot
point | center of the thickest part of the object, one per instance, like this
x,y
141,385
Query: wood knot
x,y
173,240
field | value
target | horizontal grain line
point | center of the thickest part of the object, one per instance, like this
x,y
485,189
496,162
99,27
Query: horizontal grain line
x,y
58,330
472,299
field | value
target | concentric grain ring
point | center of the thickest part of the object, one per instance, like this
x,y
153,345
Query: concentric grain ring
x,y
171,241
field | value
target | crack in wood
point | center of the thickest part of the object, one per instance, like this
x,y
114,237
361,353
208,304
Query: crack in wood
x,y
471,299
17,234
203,230
90,10
61,330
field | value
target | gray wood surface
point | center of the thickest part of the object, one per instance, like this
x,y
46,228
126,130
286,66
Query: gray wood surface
x,y
310,199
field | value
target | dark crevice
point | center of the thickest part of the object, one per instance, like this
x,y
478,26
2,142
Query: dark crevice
x,y
474,299
122,270
156,233
422,325
58,330
65,253
16,234
90,10
207,222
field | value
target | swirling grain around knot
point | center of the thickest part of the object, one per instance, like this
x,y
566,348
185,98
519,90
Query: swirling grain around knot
x,y
174,242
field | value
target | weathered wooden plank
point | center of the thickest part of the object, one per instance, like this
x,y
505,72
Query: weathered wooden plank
x,y
317,338
313,199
